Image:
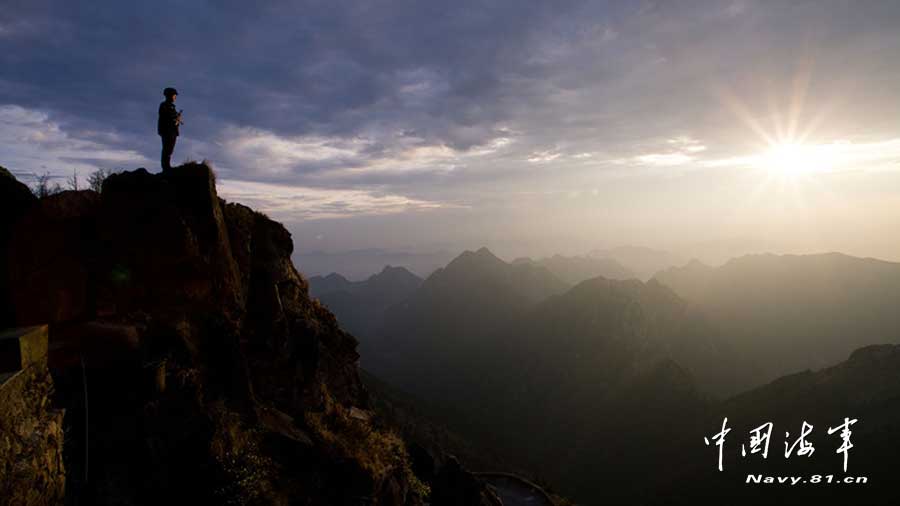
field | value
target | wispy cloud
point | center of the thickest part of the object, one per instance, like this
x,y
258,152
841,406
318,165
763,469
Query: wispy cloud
x,y
678,151
829,157
663,159
322,160
262,151
543,156
33,142
407,106
297,203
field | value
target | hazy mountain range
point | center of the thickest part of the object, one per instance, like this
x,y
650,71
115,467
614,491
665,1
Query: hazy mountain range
x,y
643,262
621,262
574,270
787,313
360,305
362,263
449,317
568,379
604,387
864,387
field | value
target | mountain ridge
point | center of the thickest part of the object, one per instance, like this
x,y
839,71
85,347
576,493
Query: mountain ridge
x,y
824,305
211,371
575,269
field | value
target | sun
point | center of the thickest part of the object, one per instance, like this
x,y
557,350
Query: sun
x,y
786,152
787,162
790,160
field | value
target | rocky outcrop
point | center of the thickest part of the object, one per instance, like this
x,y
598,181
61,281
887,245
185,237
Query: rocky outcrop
x,y
456,486
188,353
285,331
15,202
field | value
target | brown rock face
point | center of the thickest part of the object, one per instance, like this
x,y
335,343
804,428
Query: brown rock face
x,y
189,354
50,254
166,245
285,332
158,250
15,201
455,486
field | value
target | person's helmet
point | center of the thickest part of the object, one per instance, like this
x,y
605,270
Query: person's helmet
x,y
168,92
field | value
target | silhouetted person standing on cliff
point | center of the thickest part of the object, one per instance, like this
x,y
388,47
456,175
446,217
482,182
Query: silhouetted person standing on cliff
x,y
167,127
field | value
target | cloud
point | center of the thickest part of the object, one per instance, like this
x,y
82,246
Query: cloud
x,y
543,156
681,150
456,103
33,142
663,159
830,157
258,150
297,203
837,156
257,154
366,86
735,8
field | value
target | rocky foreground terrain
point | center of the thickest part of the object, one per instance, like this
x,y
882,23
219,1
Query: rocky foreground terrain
x,y
189,360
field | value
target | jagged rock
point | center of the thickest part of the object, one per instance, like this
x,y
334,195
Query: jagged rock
x,y
423,462
287,333
157,276
50,258
167,247
455,486
16,196
873,354
15,201
97,342
283,425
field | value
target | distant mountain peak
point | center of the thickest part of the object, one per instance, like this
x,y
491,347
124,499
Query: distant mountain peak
x,y
395,273
696,263
388,270
874,353
480,256
335,277
392,269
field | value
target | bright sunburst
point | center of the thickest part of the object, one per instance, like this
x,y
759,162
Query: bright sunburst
x,y
790,160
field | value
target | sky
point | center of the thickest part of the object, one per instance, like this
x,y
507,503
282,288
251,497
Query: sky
x,y
707,128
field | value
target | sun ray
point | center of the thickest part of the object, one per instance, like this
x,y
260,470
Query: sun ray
x,y
774,112
786,165
798,96
743,114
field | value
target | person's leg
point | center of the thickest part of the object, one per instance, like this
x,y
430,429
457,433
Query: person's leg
x,y
168,146
166,154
